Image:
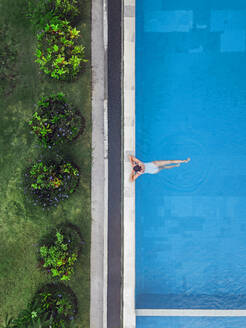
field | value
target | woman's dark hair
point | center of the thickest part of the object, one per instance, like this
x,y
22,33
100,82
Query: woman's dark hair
x,y
137,168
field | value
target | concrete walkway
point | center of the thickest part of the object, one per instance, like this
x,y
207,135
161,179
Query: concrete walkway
x,y
99,183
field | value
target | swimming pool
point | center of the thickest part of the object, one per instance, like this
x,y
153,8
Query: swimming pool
x,y
191,101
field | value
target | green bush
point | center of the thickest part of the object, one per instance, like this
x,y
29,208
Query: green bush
x,y
55,122
41,12
29,318
58,53
8,56
58,303
53,306
26,318
51,182
59,252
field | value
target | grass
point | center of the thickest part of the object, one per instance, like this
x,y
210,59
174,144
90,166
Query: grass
x,y
22,225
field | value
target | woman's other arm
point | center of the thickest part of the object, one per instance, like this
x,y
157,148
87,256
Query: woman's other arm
x,y
135,161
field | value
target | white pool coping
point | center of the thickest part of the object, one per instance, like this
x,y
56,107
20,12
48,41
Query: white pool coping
x,y
128,308
129,312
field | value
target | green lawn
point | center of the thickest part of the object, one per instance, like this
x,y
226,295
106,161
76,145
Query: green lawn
x,y
22,224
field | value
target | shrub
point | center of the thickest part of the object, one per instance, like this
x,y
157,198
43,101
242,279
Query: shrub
x,y
57,302
53,306
51,182
59,252
24,318
57,52
8,56
41,12
31,317
55,122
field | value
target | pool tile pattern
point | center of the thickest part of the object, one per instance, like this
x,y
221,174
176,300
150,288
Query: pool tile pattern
x,y
207,29
191,101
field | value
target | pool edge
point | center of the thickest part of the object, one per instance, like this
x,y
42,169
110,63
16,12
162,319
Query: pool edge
x,y
128,306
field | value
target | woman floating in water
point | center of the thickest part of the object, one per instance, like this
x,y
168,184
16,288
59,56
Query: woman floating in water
x,y
139,168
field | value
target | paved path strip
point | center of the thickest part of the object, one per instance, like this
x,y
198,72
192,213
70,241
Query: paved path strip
x,y
114,164
99,173
189,313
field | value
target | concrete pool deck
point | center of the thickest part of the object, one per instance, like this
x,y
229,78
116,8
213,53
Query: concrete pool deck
x,y
99,174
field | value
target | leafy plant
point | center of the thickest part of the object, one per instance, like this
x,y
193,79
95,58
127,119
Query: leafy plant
x,y
30,317
41,12
27,319
58,53
51,182
55,122
60,252
41,322
24,318
8,56
58,303
54,306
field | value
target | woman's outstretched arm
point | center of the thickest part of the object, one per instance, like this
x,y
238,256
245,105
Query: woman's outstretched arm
x,y
134,160
134,176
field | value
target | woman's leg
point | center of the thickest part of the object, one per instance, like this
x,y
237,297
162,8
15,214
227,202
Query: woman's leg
x,y
161,163
168,166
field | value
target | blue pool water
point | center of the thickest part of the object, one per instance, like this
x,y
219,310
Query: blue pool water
x,y
190,322
191,101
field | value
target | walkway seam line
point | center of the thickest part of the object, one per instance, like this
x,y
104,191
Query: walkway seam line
x,y
105,40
